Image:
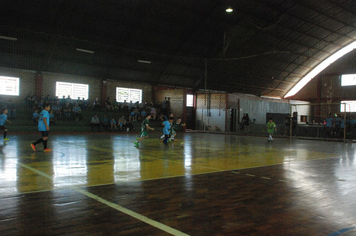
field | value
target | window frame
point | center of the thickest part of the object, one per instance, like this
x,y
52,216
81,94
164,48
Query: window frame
x,y
73,95
129,96
4,87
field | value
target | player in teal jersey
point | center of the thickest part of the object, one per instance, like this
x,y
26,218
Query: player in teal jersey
x,y
43,127
3,119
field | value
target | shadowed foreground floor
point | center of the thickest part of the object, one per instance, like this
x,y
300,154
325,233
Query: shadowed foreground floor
x,y
202,184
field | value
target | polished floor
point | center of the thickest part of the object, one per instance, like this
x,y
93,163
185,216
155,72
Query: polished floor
x,y
202,184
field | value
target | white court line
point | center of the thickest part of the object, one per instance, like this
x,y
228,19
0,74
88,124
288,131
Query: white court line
x,y
124,210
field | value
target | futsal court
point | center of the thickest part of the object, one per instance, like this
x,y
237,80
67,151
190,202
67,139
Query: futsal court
x,y
201,184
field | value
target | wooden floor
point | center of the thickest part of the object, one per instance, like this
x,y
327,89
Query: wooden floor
x,y
202,184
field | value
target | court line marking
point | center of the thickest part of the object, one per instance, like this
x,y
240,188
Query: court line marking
x,y
117,207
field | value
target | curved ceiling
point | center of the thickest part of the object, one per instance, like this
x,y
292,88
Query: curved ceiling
x,y
261,48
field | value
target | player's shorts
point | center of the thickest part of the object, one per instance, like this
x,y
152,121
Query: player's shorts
x,y
143,134
270,131
2,127
44,133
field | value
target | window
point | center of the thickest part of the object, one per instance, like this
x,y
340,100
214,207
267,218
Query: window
x,y
348,80
128,94
350,106
9,86
190,100
72,89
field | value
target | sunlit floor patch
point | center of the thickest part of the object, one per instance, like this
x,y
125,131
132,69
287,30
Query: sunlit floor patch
x,y
88,160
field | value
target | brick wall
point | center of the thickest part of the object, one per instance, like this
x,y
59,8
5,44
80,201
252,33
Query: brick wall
x,y
28,85
176,96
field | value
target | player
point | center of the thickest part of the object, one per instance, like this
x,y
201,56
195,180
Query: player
x,y
175,125
144,128
167,126
43,127
3,119
271,128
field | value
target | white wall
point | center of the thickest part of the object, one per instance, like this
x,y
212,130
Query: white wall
x,y
215,119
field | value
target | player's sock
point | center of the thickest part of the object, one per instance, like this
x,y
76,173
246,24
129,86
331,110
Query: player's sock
x,y
5,132
38,141
44,144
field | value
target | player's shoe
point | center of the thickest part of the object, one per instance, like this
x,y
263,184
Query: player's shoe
x,y
137,139
33,147
6,139
137,144
47,150
169,140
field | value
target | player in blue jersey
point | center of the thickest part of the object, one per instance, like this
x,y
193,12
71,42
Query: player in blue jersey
x,y
167,126
43,127
3,119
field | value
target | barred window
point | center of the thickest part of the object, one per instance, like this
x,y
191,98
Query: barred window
x,y
128,94
74,90
9,86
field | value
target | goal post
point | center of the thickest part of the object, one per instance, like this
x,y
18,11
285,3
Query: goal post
x,y
325,121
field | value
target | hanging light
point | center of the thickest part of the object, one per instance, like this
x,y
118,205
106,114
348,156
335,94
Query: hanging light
x,y
229,10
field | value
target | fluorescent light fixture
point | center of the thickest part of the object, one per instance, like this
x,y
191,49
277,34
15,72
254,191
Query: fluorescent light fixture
x,y
320,68
83,50
142,61
8,38
229,9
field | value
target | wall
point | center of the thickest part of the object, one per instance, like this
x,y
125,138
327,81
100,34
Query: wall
x,y
216,120
27,83
176,96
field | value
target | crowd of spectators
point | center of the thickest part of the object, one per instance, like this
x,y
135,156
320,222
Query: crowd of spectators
x,y
119,116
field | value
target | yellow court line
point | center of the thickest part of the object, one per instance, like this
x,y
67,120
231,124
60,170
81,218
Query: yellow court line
x,y
124,210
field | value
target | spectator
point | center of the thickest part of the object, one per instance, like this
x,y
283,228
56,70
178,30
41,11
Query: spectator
x,y
153,113
168,106
131,106
242,122
129,126
247,124
122,123
95,123
113,124
57,111
11,110
105,122
109,105
69,100
143,114
77,112
35,116
125,106
67,111
133,115
63,100
51,118
96,104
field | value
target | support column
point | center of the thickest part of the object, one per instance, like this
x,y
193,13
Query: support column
x,y
184,114
103,92
318,98
38,85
